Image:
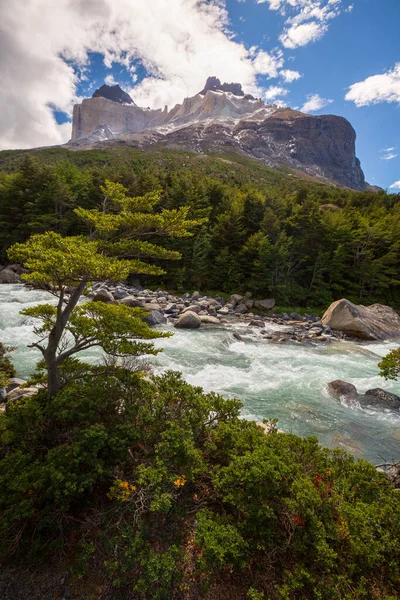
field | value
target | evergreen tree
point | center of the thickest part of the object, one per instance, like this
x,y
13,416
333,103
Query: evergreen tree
x,y
114,248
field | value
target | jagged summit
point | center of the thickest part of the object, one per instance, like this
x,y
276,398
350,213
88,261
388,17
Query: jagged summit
x,y
214,84
114,93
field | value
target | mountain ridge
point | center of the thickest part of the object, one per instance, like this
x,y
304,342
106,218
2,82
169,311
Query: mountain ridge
x,y
223,116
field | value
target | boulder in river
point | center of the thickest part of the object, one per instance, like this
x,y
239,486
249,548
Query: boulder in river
x,y
132,301
339,389
375,322
376,398
188,320
9,276
382,399
155,317
209,320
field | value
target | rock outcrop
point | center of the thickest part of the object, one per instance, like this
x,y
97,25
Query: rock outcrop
x,y
214,84
114,93
375,322
222,116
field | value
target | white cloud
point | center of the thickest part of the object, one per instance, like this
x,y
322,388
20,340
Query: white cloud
x,y
388,153
290,76
268,64
376,89
180,42
306,21
301,35
109,80
274,92
314,103
395,185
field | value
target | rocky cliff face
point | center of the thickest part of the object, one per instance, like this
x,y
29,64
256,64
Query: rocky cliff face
x,y
219,117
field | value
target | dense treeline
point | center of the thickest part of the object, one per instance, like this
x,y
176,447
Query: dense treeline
x,y
275,234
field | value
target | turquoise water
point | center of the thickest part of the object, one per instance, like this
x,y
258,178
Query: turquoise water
x,y
287,382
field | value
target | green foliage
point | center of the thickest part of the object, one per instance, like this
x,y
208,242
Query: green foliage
x,y
390,365
178,497
66,264
303,243
7,369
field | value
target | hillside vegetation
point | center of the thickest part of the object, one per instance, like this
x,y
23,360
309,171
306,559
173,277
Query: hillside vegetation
x,y
272,233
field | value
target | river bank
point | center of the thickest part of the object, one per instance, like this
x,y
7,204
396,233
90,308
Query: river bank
x,y
287,380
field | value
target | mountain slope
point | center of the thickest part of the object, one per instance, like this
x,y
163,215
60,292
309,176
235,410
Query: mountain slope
x,y
222,117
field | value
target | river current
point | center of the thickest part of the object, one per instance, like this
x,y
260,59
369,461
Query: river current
x,y
287,382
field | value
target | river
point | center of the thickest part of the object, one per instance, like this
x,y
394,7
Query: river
x,y
287,382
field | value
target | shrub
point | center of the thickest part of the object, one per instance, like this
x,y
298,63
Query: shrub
x,y
174,496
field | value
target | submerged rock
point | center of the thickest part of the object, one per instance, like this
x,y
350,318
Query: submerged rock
x,y
379,397
376,398
375,322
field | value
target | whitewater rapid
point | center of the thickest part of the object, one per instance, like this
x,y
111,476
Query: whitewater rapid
x,y
287,382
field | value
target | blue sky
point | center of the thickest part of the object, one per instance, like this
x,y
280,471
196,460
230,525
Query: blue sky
x,y
321,56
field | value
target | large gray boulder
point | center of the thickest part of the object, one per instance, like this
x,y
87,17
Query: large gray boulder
x,y
103,296
9,276
266,304
155,317
132,301
188,320
235,299
375,322
241,309
196,308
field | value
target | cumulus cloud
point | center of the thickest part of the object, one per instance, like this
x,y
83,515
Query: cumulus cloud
x,y
274,92
109,80
44,44
306,21
376,89
314,103
395,185
302,34
290,76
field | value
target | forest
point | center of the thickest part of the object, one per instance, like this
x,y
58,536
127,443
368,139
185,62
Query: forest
x,y
120,484
271,233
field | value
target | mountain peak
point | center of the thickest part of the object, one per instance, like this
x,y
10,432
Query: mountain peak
x,y
114,93
214,84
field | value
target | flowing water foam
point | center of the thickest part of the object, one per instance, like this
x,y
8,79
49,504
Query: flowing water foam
x,y
285,381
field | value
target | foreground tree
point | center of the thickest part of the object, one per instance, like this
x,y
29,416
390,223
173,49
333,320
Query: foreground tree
x,y
114,248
